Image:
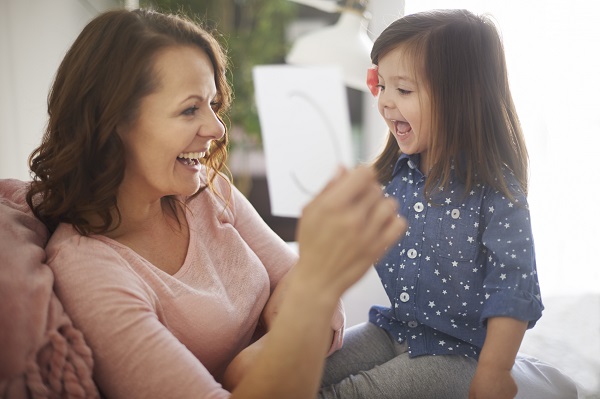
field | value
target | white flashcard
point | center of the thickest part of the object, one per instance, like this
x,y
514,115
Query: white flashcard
x,y
305,128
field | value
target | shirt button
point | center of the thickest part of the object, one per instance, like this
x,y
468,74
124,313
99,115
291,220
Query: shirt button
x,y
419,207
404,297
412,324
455,214
412,253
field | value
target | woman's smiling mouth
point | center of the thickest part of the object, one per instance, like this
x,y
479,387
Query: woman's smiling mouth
x,y
190,158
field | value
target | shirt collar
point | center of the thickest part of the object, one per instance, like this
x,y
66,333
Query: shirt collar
x,y
412,161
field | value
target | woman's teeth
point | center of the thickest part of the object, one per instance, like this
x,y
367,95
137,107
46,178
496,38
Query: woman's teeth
x,y
190,158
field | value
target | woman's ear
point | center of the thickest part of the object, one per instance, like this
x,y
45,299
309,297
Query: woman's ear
x,y
122,128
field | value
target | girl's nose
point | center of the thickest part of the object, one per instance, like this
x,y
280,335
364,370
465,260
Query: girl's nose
x,y
385,100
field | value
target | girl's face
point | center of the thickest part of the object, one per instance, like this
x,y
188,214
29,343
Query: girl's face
x,y
404,102
175,127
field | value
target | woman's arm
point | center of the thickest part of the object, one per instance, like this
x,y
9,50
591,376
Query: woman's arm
x,y
338,319
240,365
340,234
493,374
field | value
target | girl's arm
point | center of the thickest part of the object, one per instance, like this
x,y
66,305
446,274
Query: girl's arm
x,y
514,302
493,378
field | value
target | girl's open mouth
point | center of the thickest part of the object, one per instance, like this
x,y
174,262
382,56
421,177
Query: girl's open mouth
x,y
402,127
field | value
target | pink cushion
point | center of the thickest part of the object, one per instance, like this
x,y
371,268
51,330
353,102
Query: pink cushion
x,y
43,355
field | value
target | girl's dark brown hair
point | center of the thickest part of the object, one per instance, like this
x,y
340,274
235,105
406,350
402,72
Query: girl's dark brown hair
x,y
79,165
475,127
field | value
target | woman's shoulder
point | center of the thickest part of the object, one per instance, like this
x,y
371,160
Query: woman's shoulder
x,y
68,249
96,266
66,236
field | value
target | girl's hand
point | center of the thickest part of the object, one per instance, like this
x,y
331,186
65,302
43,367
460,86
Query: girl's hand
x,y
492,382
492,378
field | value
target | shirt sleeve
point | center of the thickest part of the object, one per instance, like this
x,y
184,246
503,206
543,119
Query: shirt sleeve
x,y
134,353
511,280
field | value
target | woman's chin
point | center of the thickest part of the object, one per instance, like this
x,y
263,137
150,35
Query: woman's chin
x,y
188,188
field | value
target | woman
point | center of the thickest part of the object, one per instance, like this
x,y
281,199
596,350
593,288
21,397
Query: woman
x,y
158,259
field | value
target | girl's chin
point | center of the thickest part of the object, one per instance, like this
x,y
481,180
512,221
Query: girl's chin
x,y
405,144
408,149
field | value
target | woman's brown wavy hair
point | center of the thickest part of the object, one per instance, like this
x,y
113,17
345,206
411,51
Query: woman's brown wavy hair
x,y
79,165
475,127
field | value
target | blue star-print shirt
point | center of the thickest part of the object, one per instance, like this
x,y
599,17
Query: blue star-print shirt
x,y
463,260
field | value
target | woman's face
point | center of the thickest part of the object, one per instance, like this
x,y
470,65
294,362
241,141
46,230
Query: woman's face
x,y
404,102
175,126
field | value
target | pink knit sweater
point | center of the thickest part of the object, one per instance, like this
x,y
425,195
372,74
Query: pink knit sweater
x,y
155,335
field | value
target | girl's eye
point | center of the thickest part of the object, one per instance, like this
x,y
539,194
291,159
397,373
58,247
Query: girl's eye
x,y
380,87
190,111
404,92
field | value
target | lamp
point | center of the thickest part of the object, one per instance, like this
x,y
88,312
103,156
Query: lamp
x,y
345,43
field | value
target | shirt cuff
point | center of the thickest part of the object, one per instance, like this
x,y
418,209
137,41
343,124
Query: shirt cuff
x,y
520,305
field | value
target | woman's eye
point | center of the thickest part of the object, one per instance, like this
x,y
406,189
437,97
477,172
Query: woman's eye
x,y
190,111
215,105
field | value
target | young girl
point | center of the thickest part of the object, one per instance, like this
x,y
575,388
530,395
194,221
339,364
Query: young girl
x,y
463,284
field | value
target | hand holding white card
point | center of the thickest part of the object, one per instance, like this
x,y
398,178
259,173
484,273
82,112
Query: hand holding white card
x,y
305,127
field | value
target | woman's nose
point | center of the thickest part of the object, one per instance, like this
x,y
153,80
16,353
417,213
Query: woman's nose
x,y
213,127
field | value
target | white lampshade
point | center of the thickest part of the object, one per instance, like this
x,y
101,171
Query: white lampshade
x,y
345,44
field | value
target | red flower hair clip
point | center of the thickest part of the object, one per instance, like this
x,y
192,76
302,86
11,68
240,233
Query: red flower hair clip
x,y
373,80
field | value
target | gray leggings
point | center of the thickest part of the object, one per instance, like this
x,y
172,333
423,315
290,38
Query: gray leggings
x,y
371,365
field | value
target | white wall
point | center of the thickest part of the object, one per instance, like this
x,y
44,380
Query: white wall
x,y
34,35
